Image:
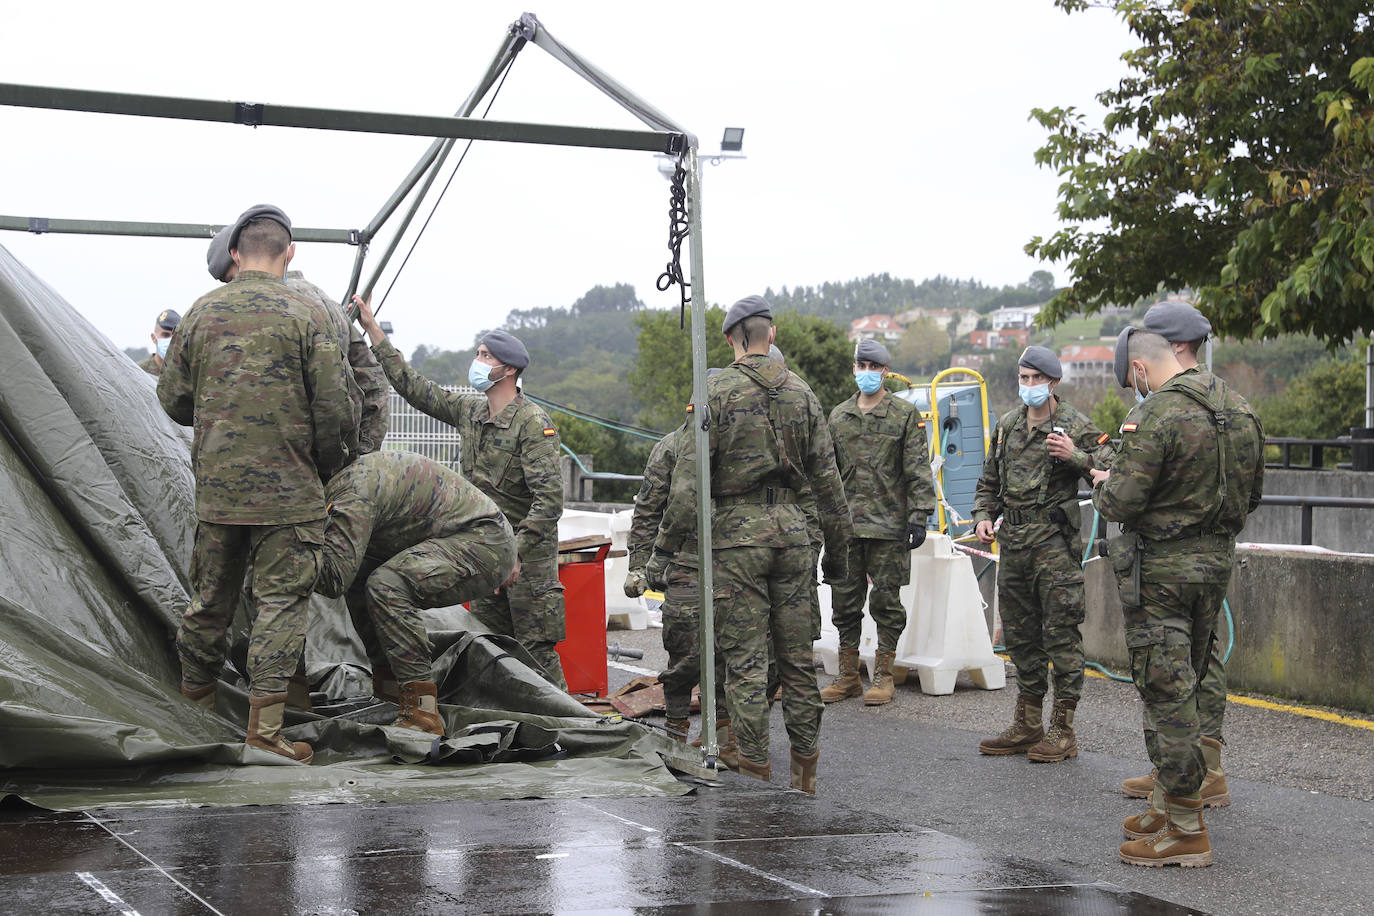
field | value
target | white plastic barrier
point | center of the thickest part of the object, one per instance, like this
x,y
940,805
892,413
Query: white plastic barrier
x,y
945,631
632,613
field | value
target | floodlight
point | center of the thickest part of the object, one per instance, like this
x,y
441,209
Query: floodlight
x,y
732,141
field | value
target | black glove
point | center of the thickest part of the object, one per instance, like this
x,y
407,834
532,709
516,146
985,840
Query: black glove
x,y
834,566
656,571
915,536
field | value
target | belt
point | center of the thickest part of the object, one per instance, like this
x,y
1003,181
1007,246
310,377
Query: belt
x,y
767,496
1196,543
1026,515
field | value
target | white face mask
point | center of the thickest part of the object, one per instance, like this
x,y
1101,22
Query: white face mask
x,y
162,344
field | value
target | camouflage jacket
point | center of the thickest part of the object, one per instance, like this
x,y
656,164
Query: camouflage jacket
x,y
257,370
149,365
1024,485
768,440
386,502
1174,476
370,389
513,456
884,460
652,500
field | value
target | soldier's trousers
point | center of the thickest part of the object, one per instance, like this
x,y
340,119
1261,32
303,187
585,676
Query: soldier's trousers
x,y
682,642
1040,594
1169,635
385,600
1211,695
763,594
285,561
531,610
888,564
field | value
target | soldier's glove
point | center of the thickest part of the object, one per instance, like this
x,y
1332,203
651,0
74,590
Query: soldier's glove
x,y
656,572
834,566
915,536
635,583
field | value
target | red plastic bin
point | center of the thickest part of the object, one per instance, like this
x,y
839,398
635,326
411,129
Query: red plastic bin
x,y
583,650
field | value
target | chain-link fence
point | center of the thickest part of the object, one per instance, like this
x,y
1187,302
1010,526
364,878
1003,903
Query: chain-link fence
x,y
414,431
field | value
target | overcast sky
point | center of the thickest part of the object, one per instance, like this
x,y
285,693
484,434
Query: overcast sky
x,y
880,136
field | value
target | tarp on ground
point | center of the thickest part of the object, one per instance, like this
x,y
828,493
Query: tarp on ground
x,y
96,527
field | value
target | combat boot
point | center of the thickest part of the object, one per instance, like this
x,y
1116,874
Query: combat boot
x,y
748,767
1140,826
1214,791
677,728
385,687
804,771
1139,786
264,729
298,693
1182,841
1059,742
880,693
420,708
1025,731
847,684
201,696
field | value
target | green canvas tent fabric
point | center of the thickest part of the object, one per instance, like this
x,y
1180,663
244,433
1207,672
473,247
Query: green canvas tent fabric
x,y
96,526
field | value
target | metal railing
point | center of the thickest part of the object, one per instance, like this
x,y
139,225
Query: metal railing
x,y
1315,450
414,431
1305,503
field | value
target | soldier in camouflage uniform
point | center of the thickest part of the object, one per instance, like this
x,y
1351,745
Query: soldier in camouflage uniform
x,y
1185,328
510,451
1031,478
1187,473
682,596
881,450
404,534
768,439
369,389
167,321
258,372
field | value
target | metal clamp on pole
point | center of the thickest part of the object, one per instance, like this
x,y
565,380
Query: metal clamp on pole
x,y
248,113
38,224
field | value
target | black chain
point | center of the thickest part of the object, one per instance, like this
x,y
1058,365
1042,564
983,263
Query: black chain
x,y
678,229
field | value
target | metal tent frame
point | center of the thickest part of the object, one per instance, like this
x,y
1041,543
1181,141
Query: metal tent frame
x,y
663,135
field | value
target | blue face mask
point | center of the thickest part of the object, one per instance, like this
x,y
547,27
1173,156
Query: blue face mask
x,y
1138,396
479,375
162,344
868,380
1035,395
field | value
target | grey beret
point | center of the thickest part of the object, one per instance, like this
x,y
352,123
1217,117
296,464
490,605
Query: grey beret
x,y
776,355
1042,359
252,213
168,319
873,352
218,258
747,307
507,348
1177,322
1121,360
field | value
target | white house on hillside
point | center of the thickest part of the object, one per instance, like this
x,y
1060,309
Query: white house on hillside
x,y
1016,317
883,328
1087,363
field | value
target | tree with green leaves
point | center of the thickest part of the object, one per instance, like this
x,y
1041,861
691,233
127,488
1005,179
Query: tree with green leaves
x,y
923,349
1236,159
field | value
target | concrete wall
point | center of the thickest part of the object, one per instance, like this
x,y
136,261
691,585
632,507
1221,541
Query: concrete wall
x,y
1304,626
1350,530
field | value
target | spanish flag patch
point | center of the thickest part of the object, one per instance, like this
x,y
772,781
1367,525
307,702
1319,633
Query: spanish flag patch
x,y
1102,438
550,431
920,424
1128,427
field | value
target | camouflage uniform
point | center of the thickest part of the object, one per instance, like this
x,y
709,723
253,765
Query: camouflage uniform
x,y
1040,573
884,460
682,598
150,365
370,390
768,438
1181,493
513,457
259,373
404,534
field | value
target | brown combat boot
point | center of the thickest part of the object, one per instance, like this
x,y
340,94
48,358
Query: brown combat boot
x,y
1059,742
385,687
880,693
1025,731
804,771
847,684
420,708
677,729
1139,786
298,693
264,729
1215,793
748,767
201,696
1140,826
1182,841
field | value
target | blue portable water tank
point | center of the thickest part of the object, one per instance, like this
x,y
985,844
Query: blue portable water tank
x,y
959,439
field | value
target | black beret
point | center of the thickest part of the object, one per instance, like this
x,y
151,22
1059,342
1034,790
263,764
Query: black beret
x,y
1042,359
507,348
218,258
247,216
873,352
1121,360
1177,322
747,307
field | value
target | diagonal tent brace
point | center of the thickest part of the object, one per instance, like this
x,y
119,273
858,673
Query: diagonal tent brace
x,y
664,136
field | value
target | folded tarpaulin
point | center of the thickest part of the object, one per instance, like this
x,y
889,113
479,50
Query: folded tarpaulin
x,y
96,526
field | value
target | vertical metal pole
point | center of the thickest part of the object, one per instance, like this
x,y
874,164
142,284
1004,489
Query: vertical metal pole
x,y
1305,533
702,417
1369,384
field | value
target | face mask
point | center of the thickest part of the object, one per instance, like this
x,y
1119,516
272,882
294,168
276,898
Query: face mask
x,y
479,375
868,380
1035,395
1138,396
162,344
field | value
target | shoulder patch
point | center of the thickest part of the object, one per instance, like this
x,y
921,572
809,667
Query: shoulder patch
x,y
550,431
1102,438
920,424
1129,427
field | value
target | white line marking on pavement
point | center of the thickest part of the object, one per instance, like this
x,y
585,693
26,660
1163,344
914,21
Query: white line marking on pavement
x,y
106,894
164,872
